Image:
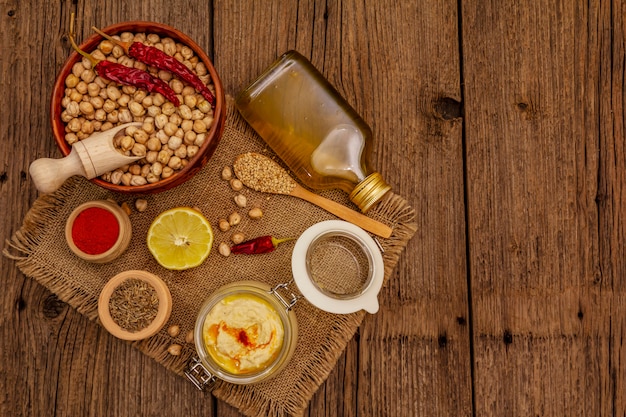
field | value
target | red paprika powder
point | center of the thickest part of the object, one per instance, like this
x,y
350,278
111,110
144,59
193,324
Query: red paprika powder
x,y
95,230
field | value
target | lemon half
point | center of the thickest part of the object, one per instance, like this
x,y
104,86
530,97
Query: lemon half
x,y
180,238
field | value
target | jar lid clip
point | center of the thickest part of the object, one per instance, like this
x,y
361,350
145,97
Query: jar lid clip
x,y
197,373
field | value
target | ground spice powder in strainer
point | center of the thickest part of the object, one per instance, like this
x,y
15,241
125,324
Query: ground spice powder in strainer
x,y
338,266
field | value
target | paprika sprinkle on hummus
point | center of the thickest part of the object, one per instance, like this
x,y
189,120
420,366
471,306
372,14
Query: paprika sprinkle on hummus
x,y
95,230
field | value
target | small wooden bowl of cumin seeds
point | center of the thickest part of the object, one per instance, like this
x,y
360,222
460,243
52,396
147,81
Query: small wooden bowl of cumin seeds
x,y
134,305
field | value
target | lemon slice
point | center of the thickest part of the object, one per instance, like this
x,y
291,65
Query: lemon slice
x,y
180,238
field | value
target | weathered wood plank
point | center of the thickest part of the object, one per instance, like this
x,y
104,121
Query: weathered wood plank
x,y
544,133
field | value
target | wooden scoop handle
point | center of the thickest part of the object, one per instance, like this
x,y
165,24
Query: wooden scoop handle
x,y
343,212
49,174
90,157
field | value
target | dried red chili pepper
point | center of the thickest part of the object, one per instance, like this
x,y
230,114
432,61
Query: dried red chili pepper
x,y
150,55
262,244
121,74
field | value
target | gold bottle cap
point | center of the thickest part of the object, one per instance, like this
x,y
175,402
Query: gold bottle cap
x,y
369,191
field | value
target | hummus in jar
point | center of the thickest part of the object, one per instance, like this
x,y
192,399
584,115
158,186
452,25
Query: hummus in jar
x,y
243,333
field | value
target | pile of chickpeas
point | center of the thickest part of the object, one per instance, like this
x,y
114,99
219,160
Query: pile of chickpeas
x,y
168,137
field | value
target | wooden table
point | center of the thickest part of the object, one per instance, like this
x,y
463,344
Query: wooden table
x,y
502,122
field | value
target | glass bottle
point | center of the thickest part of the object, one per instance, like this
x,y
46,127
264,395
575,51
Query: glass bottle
x,y
320,137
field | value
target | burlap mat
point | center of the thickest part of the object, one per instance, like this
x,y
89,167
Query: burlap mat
x,y
41,253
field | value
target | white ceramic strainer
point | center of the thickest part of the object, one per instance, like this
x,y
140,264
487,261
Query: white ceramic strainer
x,y
338,267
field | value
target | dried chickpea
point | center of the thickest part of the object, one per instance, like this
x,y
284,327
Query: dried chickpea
x,y
113,117
136,109
153,111
124,116
190,137
235,184
123,100
106,47
74,125
145,170
124,206
71,138
73,109
71,81
116,176
167,172
76,96
189,336
156,168
151,157
175,163
237,237
200,139
204,106
224,225
138,180
126,178
81,87
153,144
255,213
224,249
87,127
113,93
234,219
96,102
240,200
176,119
151,178
170,128
138,150
78,69
181,152
161,120
174,349
163,157
197,115
158,100
88,75
190,100
135,169
173,330
100,115
140,136
199,126
176,85
127,143
192,150
141,205
174,143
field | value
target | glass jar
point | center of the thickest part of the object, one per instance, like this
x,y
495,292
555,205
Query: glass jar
x,y
229,325
320,137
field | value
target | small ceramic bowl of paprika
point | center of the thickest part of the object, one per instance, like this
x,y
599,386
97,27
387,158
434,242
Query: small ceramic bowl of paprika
x,y
85,102
98,231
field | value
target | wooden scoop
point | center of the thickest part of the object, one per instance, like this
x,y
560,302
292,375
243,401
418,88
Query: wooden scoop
x,y
90,158
260,173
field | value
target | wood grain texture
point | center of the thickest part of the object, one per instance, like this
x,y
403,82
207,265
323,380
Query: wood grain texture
x,y
501,122
545,165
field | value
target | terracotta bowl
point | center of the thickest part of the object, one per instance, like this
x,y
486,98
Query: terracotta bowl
x,y
213,135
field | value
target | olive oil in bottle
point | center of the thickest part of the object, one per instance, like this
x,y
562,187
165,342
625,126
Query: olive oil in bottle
x,y
312,129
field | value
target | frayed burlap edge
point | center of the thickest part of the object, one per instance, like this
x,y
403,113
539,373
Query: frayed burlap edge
x,y
22,245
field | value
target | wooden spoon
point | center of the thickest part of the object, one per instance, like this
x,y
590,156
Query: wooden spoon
x,y
260,173
90,158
